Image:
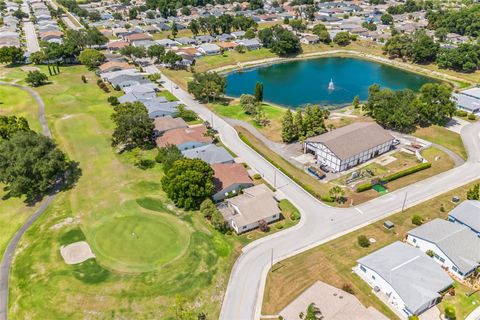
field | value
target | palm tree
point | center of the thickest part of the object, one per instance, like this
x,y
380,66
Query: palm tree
x,y
313,312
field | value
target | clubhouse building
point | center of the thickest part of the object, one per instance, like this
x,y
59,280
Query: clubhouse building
x,y
346,147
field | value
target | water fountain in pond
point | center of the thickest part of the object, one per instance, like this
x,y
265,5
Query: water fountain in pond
x,y
331,86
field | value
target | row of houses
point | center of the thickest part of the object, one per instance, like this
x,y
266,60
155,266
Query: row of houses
x,y
47,28
9,35
413,276
244,206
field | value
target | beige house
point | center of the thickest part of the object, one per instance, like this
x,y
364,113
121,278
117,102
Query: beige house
x,y
256,205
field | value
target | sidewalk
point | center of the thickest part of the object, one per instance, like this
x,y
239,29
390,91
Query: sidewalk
x,y
475,315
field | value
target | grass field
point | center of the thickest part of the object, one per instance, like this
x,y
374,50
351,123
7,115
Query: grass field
x,y
332,262
112,200
147,251
443,137
14,212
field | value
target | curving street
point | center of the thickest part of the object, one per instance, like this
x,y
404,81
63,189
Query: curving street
x,y
8,255
319,223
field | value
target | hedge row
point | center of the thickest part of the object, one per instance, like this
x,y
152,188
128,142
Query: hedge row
x,y
300,183
368,185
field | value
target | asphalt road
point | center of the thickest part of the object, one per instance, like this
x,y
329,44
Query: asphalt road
x,y
319,223
31,37
8,255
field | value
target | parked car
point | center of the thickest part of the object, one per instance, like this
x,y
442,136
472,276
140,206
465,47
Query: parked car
x,y
316,172
324,168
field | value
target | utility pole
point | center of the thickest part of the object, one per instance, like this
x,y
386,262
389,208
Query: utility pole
x,y
404,201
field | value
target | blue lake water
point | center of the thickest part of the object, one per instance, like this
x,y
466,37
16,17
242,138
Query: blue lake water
x,y
301,82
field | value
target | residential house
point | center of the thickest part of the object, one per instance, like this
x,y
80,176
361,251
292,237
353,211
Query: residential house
x,y
210,154
229,178
310,39
114,66
468,214
117,45
167,43
250,209
164,124
455,247
51,36
204,39
227,45
238,34
209,49
350,145
468,100
137,37
186,41
127,80
250,44
409,279
185,138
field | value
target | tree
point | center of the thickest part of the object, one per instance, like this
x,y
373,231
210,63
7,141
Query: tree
x,y
91,58
289,133
314,120
259,91
336,192
398,46
174,29
417,220
298,124
342,38
19,14
424,49
133,52
167,156
313,313
474,192
36,78
211,213
386,19
363,241
188,183
194,26
113,101
186,114
356,102
171,59
9,125
156,52
133,127
280,41
464,58
297,25
207,85
435,103
450,313
249,104
31,165
10,55
249,34
370,25
441,34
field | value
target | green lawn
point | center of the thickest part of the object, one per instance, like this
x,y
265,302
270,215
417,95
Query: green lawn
x,y
231,58
14,212
147,251
443,137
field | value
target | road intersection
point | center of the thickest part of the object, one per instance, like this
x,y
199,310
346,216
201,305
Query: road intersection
x,y
320,223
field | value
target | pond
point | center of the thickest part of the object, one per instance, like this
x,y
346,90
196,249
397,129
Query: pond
x,y
330,81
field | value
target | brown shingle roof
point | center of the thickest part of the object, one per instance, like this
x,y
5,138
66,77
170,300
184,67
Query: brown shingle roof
x,y
53,33
353,139
183,135
117,44
166,123
115,65
226,174
138,37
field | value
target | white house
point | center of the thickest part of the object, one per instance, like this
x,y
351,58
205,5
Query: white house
x,y
349,146
209,49
248,210
467,213
454,247
411,280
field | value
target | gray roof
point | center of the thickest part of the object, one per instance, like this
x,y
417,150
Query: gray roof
x,y
467,102
468,213
128,77
255,203
136,96
353,139
210,154
415,277
457,242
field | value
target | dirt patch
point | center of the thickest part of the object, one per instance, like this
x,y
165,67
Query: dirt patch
x,y
76,252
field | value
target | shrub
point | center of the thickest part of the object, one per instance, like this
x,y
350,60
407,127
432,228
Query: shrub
x,y
113,101
406,172
99,81
363,241
414,317
327,198
430,253
295,216
450,313
471,116
451,291
364,187
279,226
257,176
417,220
347,287
84,79
461,113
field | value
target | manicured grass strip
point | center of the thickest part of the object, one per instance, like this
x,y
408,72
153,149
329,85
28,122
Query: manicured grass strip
x,y
300,177
443,137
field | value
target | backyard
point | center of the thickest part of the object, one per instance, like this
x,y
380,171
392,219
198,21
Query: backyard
x,y
332,262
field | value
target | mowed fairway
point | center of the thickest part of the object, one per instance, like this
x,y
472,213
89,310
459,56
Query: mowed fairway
x,y
147,251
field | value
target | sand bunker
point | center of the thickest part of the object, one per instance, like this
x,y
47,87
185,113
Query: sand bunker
x,y
76,252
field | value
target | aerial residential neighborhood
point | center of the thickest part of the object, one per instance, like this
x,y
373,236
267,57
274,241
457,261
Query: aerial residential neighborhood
x,y
265,159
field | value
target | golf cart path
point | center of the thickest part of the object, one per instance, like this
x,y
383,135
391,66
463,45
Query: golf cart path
x,y
8,255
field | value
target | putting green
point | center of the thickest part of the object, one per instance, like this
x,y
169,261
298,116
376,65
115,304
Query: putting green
x,y
140,242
